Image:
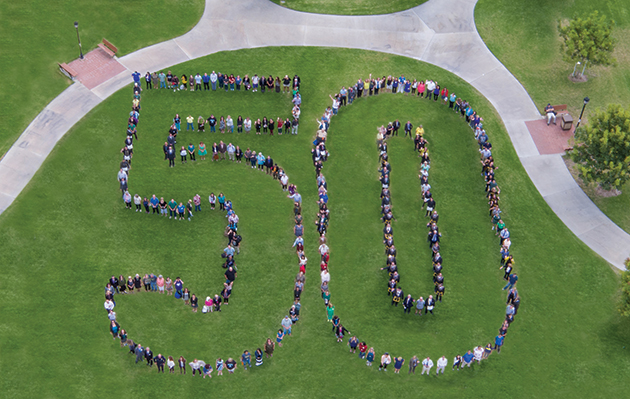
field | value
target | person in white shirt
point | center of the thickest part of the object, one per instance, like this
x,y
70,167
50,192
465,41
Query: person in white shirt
x,y
427,364
112,316
284,180
441,364
247,124
122,175
323,249
478,352
325,276
213,79
171,364
109,305
196,365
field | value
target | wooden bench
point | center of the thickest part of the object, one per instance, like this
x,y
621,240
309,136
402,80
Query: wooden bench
x,y
108,48
66,70
558,108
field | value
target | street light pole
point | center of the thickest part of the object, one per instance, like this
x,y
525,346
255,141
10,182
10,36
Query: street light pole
x,y
586,100
76,26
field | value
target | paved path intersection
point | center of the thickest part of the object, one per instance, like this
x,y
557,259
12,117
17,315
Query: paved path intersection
x,y
440,32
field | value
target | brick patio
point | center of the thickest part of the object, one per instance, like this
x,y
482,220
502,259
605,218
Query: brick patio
x,y
95,68
550,139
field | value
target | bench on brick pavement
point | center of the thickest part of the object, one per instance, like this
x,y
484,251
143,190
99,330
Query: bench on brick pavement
x,y
66,70
108,48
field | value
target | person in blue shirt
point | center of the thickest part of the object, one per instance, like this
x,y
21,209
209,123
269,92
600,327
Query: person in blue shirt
x,y
206,81
181,211
467,359
512,281
246,359
229,251
221,200
136,77
498,343
154,204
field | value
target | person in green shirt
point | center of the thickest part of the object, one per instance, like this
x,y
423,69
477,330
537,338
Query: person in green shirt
x,y
330,311
172,206
500,226
326,297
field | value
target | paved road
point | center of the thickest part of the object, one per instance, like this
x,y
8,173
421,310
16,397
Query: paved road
x,y
440,32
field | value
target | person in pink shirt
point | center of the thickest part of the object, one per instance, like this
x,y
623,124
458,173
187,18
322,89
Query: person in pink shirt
x,y
160,283
197,201
421,88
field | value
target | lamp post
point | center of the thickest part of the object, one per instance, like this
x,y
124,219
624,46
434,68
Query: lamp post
x,y
76,26
586,100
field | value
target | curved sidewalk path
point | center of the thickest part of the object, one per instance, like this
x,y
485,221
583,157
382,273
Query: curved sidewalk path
x,y
440,32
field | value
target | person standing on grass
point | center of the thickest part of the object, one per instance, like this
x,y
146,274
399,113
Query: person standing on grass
x,y
513,279
478,353
197,202
182,365
370,357
207,370
171,365
398,363
230,365
498,342
170,154
139,353
467,359
160,282
280,336
148,356
385,360
441,364
413,363
258,355
159,362
427,364
429,304
246,360
114,328
419,306
353,342
457,362
270,346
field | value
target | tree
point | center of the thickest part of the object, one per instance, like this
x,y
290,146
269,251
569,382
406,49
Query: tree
x,y
602,148
588,40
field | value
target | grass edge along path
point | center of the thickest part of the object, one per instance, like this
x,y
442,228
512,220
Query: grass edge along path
x,y
41,34
349,7
524,37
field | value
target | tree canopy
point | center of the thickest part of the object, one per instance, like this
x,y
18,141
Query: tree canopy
x,y
588,40
602,147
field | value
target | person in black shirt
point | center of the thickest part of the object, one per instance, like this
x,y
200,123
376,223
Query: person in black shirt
x,y
159,361
171,157
439,291
429,304
114,282
230,275
148,356
408,304
430,206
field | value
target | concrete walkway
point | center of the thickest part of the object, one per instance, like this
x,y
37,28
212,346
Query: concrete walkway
x,y
440,32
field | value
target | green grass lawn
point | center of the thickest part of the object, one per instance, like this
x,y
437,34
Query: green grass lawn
x,y
68,232
524,37
350,7
38,36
